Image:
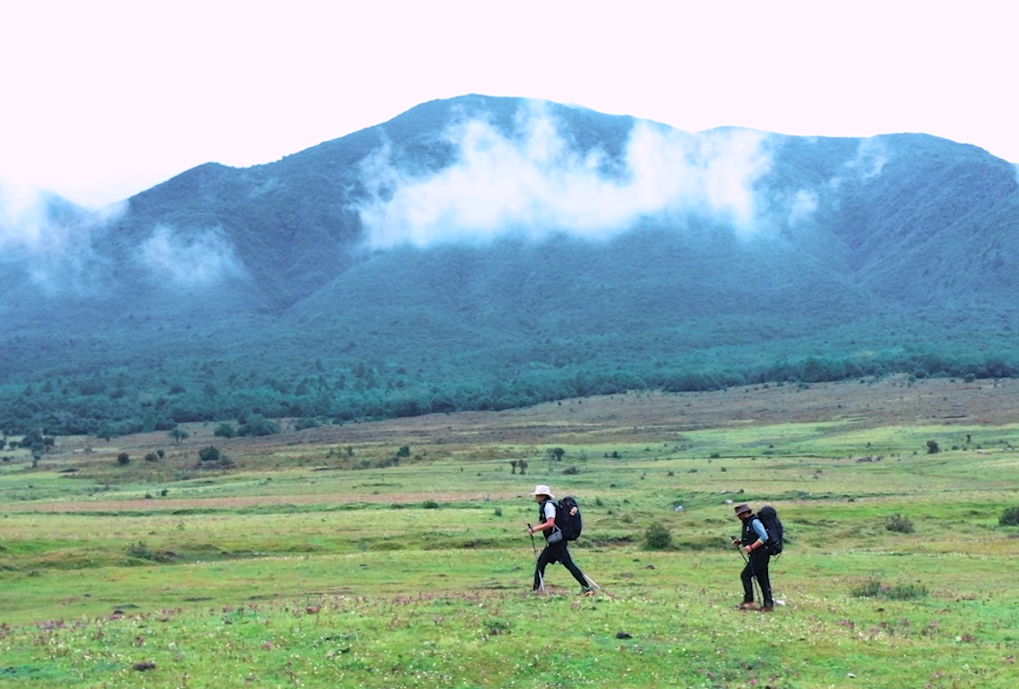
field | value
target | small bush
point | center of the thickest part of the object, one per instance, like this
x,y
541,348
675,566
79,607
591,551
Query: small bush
x,y
899,523
657,537
151,457
907,592
571,470
123,459
873,588
258,425
1009,517
140,551
430,505
224,430
208,454
306,422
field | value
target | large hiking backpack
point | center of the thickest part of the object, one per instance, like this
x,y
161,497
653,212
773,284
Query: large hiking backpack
x,y
567,518
773,525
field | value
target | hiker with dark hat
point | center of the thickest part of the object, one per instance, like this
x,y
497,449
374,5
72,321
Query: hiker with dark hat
x,y
555,545
752,542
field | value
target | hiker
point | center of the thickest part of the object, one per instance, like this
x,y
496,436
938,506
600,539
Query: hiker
x,y
555,545
752,542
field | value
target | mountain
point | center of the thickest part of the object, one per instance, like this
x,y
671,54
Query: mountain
x,y
485,252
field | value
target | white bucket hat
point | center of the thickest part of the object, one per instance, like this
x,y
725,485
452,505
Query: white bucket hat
x,y
543,490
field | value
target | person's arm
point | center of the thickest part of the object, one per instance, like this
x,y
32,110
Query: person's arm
x,y
549,520
762,536
547,524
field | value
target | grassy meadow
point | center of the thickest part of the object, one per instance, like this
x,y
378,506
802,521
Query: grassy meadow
x,y
324,558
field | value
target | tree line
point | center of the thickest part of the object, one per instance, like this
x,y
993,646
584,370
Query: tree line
x,y
118,403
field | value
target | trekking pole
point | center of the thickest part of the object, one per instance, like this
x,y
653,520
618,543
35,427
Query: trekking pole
x,y
541,579
757,582
594,583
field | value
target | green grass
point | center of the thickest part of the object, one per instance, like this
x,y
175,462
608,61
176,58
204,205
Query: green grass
x,y
419,575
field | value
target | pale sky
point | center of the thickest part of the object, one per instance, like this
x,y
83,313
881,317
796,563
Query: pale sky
x,y
102,99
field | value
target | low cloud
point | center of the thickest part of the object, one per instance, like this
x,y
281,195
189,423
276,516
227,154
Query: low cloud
x,y
871,158
802,207
191,260
533,183
867,164
51,239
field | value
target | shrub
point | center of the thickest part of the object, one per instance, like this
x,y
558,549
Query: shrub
x,y
907,592
657,537
140,551
873,588
123,459
430,505
868,589
208,454
151,457
571,470
224,430
899,523
258,425
404,451
1009,517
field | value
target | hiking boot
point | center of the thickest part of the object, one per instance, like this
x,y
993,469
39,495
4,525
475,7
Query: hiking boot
x,y
747,605
767,608
586,591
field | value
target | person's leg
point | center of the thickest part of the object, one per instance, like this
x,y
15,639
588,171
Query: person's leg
x,y
564,557
539,568
763,579
747,575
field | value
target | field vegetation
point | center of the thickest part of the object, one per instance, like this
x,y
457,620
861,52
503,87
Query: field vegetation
x,y
395,553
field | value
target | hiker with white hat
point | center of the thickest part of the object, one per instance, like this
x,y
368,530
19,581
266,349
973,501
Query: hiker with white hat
x,y
555,545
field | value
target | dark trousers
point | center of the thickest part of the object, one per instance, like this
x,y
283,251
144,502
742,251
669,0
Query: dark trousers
x,y
757,566
556,552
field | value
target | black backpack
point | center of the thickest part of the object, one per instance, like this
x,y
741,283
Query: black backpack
x,y
567,517
773,525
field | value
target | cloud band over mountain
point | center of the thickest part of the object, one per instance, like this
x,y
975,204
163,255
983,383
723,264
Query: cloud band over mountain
x,y
533,182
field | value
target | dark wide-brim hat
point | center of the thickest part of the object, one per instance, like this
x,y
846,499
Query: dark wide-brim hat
x,y
741,508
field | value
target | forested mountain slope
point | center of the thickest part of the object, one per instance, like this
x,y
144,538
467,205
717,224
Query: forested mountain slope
x,y
488,252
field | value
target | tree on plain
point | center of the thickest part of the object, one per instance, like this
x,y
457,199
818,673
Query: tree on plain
x,y
178,435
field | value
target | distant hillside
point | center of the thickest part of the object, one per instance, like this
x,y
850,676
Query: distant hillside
x,y
491,252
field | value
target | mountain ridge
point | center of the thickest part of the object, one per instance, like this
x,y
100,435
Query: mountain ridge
x,y
483,252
